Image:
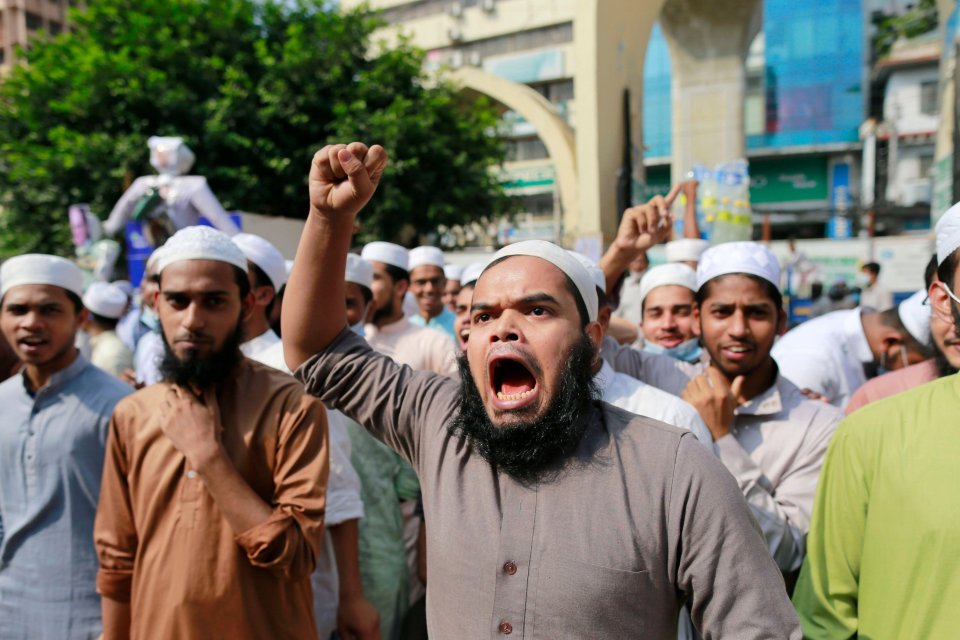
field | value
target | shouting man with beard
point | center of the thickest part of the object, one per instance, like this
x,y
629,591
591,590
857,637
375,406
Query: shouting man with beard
x,y
213,498
551,514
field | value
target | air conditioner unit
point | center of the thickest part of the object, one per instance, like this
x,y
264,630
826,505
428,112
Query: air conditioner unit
x,y
475,59
455,10
455,34
488,5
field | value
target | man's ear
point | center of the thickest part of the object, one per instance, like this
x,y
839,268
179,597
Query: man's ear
x,y
263,296
595,332
247,304
696,320
400,287
781,321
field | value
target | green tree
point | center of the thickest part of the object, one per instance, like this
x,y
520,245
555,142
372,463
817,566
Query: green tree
x,y
889,27
254,87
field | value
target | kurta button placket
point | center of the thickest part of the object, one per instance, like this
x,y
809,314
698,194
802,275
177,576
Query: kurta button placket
x,y
506,628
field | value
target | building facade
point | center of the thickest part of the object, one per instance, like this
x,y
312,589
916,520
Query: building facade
x,y
20,20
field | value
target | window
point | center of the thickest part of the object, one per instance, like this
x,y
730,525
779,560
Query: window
x,y
34,21
54,28
926,166
928,97
526,149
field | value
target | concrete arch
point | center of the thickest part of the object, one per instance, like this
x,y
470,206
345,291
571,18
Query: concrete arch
x,y
612,38
553,130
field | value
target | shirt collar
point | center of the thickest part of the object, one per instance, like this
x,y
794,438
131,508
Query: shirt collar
x,y
59,378
768,403
263,341
604,377
855,338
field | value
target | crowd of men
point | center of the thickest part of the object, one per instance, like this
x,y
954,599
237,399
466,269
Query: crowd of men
x,y
384,445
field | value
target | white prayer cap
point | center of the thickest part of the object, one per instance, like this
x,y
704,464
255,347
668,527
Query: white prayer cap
x,y
288,265
200,243
948,233
672,273
40,268
105,300
169,155
124,285
359,271
562,260
596,273
471,273
738,257
388,253
425,256
151,264
686,249
915,315
453,272
262,253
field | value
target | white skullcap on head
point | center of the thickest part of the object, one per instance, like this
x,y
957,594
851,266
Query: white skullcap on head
x,y
262,253
200,243
359,271
425,256
562,260
738,257
596,273
948,233
915,315
453,272
288,265
388,253
686,249
40,268
105,300
672,273
471,273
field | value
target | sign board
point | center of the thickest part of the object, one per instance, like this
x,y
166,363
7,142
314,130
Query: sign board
x,y
775,180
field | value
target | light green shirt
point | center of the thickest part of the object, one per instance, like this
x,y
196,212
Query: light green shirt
x,y
884,545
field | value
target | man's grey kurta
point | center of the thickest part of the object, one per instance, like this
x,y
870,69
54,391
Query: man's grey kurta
x,y
639,519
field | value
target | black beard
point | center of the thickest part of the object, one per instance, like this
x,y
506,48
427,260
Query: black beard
x,y
944,368
526,450
384,313
202,372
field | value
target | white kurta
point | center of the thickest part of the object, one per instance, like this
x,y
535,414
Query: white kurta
x,y
826,355
343,491
634,396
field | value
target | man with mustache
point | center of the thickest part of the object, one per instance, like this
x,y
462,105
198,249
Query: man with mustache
x,y
768,434
669,318
428,283
916,310
884,543
52,436
551,514
212,509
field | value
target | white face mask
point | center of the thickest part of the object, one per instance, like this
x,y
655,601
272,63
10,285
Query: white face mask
x,y
862,280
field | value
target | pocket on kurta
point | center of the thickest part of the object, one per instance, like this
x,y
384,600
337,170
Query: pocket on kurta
x,y
604,602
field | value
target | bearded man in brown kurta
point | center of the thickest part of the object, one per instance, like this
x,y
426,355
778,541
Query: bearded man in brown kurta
x,y
214,484
552,515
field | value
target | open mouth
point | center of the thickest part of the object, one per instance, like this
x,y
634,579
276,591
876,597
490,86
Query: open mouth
x,y
737,351
464,336
512,382
32,342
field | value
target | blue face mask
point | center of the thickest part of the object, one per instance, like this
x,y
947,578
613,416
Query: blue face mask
x,y
357,329
689,351
150,318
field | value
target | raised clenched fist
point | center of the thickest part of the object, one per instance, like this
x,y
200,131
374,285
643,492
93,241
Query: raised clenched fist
x,y
343,178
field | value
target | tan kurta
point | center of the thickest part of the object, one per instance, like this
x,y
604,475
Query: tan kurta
x,y
422,348
163,544
637,520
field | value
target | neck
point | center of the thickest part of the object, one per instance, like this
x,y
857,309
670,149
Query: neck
x,y
256,326
39,375
870,323
426,315
95,329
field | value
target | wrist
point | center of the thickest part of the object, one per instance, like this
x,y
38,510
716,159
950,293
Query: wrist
x,y
206,459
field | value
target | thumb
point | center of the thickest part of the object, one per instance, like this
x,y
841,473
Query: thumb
x,y
737,386
356,172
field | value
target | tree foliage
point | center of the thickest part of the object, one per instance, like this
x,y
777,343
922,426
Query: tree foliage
x,y
889,27
255,88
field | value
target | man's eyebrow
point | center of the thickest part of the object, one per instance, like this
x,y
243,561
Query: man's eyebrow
x,y
214,292
530,299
